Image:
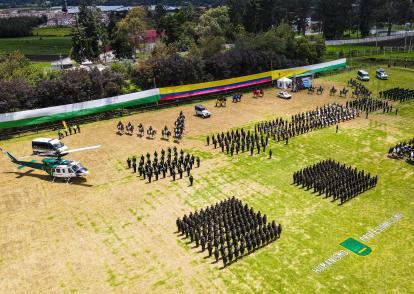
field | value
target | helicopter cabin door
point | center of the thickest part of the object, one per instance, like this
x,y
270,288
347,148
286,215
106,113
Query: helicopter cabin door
x,y
65,172
58,172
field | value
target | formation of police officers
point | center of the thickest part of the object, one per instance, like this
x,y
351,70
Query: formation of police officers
x,y
239,141
280,129
179,126
397,94
228,230
403,150
370,105
305,122
334,180
68,131
172,162
360,89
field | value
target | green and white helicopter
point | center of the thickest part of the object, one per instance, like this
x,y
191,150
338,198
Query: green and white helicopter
x,y
56,167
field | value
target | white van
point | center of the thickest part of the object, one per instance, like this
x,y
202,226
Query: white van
x,y
48,147
363,75
381,74
202,111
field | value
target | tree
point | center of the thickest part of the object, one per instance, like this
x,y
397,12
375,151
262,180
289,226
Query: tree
x,y
135,25
19,26
211,45
251,16
65,6
15,95
334,16
320,47
121,46
214,22
305,51
366,16
300,10
271,13
16,66
394,12
160,12
179,27
236,10
89,35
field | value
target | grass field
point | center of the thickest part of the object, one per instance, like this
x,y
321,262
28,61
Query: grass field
x,y
37,45
53,32
114,233
366,51
40,65
398,77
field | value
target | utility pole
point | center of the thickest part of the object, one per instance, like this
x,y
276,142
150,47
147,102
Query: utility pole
x,y
405,42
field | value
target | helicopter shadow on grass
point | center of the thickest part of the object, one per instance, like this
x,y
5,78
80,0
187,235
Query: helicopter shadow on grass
x,y
29,173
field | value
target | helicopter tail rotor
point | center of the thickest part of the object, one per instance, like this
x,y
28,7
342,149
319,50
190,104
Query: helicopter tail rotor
x,y
13,159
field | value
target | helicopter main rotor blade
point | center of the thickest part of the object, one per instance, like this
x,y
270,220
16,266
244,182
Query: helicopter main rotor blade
x,y
80,149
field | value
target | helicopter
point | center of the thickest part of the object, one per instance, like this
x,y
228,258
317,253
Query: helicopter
x,y
56,167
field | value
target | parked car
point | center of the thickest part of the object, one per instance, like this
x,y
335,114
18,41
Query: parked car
x,y
363,75
284,95
202,111
381,74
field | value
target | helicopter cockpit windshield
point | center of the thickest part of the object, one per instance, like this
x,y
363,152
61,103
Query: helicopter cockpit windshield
x,y
78,169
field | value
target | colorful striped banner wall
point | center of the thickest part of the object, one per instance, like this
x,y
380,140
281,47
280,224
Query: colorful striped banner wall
x,y
65,112
194,90
181,92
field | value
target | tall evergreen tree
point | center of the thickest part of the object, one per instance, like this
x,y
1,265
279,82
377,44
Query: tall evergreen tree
x,y
89,35
65,6
334,16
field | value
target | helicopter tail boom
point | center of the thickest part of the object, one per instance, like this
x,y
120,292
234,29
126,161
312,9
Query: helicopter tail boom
x,y
13,159
23,164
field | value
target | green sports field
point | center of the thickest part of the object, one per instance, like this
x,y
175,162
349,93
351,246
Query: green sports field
x,y
37,45
115,233
53,32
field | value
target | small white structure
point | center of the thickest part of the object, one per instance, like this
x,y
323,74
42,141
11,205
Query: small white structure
x,y
107,56
64,63
284,83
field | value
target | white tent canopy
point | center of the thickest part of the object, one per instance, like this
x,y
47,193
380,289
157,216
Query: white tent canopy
x,y
284,83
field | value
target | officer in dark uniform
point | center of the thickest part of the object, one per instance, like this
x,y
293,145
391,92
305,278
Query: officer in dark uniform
x,y
216,254
149,175
191,180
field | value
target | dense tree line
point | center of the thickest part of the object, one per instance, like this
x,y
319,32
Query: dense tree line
x,y
24,87
14,3
359,16
21,26
203,38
